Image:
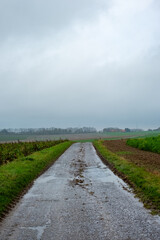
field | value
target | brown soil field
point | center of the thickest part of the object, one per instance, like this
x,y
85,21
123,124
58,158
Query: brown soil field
x,y
149,160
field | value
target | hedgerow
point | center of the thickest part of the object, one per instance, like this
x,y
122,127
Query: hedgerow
x,y
151,144
11,151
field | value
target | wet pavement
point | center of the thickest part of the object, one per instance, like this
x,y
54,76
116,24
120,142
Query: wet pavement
x,y
79,198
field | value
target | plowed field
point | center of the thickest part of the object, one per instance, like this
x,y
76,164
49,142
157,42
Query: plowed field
x,y
151,161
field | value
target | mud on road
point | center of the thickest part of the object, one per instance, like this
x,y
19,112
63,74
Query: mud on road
x,y
79,198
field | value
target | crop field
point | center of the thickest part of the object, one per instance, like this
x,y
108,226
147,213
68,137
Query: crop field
x,y
76,137
151,144
11,151
149,160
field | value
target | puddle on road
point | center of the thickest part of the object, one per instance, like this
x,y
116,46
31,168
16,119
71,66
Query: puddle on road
x,y
104,175
97,174
31,195
49,178
39,229
100,172
46,179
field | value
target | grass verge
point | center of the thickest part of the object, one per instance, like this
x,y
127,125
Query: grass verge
x,y
145,184
16,176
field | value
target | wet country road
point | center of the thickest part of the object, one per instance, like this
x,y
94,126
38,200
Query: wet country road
x,y
79,198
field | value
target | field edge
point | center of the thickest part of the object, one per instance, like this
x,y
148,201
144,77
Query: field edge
x,y
134,178
42,160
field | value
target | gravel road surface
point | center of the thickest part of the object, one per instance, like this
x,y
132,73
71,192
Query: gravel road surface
x,y
79,198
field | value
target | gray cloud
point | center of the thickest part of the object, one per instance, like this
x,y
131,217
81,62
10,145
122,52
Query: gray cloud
x,y
40,17
75,63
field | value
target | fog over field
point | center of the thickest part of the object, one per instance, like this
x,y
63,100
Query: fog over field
x,y
80,63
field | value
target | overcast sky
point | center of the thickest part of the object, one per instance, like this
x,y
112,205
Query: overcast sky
x,y
74,63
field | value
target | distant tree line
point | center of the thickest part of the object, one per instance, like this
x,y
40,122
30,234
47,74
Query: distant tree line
x,y
55,131
47,131
158,129
112,129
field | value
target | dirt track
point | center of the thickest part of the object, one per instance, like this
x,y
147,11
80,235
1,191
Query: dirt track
x,y
139,157
79,198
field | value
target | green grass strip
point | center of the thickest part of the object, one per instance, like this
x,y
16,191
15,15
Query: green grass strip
x,y
146,184
17,175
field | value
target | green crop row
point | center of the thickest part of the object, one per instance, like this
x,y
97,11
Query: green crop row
x,y
11,151
151,144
